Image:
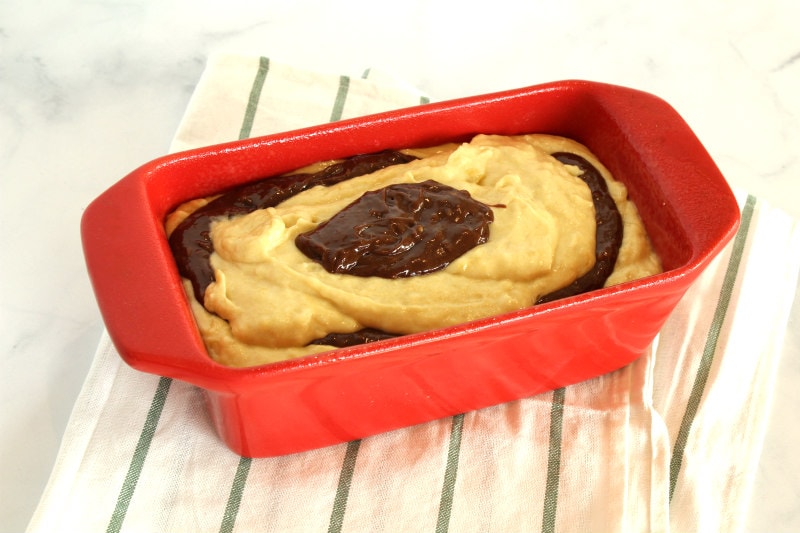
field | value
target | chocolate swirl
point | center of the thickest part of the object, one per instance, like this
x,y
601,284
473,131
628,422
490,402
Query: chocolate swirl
x,y
191,240
399,231
609,231
389,234
363,336
608,241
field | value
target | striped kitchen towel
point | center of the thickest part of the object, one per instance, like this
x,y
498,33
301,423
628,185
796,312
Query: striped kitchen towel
x,y
668,443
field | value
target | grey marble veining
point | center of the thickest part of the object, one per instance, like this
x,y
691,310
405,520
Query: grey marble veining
x,y
91,90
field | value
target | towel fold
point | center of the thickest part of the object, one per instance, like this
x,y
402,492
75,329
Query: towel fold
x,y
668,443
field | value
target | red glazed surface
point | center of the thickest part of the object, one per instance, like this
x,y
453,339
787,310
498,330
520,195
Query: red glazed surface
x,y
685,203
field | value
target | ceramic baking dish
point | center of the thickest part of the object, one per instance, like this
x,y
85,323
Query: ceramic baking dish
x,y
350,393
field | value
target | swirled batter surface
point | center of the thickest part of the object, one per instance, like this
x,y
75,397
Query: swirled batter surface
x,y
270,301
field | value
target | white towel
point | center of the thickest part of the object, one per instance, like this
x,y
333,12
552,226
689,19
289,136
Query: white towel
x,y
668,443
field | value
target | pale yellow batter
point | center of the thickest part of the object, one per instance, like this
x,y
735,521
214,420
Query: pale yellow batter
x,y
269,300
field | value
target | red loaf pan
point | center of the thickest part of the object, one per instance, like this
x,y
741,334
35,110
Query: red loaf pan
x,y
350,393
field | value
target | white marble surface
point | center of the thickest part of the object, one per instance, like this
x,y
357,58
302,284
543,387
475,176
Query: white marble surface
x,y
90,90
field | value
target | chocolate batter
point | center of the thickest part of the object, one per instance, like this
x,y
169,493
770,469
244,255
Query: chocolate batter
x,y
399,231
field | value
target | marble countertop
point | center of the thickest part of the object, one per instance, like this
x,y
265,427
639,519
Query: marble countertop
x,y
91,90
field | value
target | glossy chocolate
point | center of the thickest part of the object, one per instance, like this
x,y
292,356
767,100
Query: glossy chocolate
x,y
399,231
343,340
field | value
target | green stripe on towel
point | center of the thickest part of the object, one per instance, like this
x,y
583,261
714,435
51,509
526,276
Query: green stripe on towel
x,y
553,462
450,472
235,496
693,404
343,488
341,97
255,96
139,456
